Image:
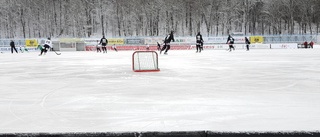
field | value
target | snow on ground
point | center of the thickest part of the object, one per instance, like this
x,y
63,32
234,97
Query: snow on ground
x,y
259,90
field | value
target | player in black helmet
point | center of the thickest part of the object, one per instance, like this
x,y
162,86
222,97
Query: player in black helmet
x,y
230,41
167,41
13,47
199,41
247,43
104,43
47,45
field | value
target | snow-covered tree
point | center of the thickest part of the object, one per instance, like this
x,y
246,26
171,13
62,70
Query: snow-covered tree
x,y
118,18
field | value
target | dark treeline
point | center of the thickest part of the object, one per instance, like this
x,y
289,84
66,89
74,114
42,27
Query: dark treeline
x,y
119,18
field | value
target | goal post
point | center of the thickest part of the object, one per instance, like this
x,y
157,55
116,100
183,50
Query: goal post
x,y
145,61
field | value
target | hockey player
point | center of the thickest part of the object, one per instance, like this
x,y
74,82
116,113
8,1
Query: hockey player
x,y
47,45
20,48
305,44
13,47
199,41
98,46
114,47
167,41
247,43
230,41
311,44
104,43
147,47
23,49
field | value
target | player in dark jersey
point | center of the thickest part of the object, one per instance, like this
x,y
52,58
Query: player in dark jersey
x,y
247,43
199,44
167,41
230,41
13,47
104,43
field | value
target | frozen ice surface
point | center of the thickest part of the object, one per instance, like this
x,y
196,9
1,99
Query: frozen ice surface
x,y
216,90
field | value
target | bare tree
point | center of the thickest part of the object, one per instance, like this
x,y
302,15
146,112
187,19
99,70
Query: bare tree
x,y
84,18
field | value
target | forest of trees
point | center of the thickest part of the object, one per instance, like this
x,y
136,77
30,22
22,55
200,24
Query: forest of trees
x,y
126,18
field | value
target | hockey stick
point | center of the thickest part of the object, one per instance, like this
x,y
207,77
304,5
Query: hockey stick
x,y
56,52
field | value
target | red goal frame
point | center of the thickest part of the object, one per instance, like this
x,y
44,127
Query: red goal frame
x,y
157,61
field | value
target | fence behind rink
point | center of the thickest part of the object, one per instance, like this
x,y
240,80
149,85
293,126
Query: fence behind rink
x,y
181,43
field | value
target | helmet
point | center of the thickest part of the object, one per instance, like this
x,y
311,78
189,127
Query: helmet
x,y
49,38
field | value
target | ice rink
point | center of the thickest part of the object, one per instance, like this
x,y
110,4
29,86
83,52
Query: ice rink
x,y
216,90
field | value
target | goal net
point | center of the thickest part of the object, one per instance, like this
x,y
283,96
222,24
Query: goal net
x,y
145,61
